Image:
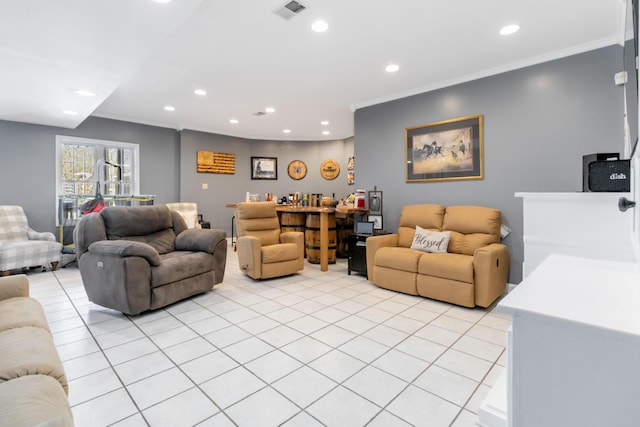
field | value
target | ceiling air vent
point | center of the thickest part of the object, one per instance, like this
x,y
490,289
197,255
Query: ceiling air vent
x,y
290,9
259,113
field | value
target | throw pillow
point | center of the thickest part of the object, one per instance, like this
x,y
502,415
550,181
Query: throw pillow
x,y
430,241
190,218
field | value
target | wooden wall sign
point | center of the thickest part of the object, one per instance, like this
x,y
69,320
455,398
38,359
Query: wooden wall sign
x,y
211,162
329,169
297,169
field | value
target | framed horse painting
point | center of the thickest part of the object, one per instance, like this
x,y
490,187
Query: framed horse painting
x,y
447,150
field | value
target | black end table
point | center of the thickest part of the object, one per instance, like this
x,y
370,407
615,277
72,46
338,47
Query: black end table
x,y
358,254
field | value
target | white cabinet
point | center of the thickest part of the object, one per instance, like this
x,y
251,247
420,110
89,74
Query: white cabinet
x,y
574,349
582,224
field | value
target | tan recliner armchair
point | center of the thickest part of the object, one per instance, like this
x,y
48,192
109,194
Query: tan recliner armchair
x,y
263,250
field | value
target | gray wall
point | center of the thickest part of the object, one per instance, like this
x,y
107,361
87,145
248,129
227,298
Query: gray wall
x,y
27,172
538,123
167,167
225,189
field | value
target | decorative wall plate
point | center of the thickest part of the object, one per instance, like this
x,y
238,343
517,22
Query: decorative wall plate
x,y
297,169
329,169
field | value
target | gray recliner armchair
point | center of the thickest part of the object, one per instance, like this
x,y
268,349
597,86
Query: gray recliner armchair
x,y
139,258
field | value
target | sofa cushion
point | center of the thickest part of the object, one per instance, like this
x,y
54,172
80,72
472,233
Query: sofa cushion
x,y
162,241
135,220
14,286
21,311
29,351
34,400
29,253
147,224
259,219
190,218
404,259
472,227
430,241
426,216
14,223
279,253
448,266
178,265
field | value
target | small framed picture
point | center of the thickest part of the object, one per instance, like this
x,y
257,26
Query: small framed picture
x,y
375,202
264,168
377,221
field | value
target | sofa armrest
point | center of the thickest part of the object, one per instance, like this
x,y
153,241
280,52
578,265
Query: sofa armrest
x,y
126,248
14,286
250,256
292,237
296,237
376,242
491,271
35,235
199,240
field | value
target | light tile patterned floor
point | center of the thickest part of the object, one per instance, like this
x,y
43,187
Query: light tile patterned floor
x,y
317,348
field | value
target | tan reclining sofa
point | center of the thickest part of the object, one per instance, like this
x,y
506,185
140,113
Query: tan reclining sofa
x,y
472,271
33,385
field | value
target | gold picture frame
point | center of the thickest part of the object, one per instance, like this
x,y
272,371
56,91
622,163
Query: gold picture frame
x,y
447,150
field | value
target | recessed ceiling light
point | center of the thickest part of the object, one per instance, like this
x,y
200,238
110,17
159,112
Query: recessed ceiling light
x,y
70,113
200,92
83,92
324,123
392,68
170,108
287,131
325,132
320,26
162,1
509,29
270,110
234,121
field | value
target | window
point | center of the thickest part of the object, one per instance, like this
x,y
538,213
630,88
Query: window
x,y
83,164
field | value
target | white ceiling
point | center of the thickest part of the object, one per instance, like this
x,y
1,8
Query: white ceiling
x,y
139,55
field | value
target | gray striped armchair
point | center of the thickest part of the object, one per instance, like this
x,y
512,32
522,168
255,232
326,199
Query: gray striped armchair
x,y
21,247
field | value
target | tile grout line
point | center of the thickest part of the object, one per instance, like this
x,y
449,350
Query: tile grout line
x,y
111,366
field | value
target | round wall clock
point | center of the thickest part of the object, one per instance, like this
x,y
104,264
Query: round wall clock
x,y
329,169
297,169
